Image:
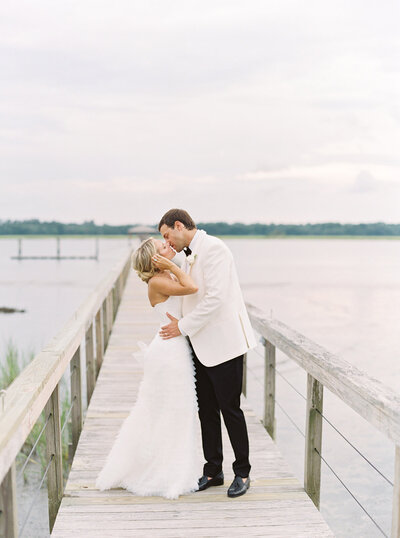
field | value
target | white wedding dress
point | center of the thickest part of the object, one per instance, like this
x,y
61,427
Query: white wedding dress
x,y
156,449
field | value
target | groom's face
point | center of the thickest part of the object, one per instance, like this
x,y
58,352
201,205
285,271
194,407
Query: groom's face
x,y
175,236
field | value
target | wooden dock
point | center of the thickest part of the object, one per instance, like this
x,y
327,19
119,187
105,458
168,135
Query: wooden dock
x,y
276,504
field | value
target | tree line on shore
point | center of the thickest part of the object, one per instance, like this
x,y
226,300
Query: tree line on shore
x,y
37,227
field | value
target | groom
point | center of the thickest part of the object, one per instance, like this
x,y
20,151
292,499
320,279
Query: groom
x,y
216,323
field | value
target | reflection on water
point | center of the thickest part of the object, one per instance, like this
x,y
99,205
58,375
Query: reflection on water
x,y
344,294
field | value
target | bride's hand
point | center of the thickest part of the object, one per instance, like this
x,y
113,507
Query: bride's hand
x,y
161,263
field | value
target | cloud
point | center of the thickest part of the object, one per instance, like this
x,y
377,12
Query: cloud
x,y
239,111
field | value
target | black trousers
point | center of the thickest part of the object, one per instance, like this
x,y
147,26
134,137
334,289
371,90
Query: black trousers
x,y
218,391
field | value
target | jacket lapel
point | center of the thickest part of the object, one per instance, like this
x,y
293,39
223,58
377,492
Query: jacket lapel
x,y
195,252
199,242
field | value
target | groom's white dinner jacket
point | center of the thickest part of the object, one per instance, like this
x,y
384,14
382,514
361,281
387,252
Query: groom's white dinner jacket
x,y
215,318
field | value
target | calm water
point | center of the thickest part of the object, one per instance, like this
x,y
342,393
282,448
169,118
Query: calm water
x,y
49,290
344,294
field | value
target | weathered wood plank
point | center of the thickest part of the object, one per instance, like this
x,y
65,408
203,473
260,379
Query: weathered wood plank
x,y
269,388
90,365
105,317
76,399
313,440
110,312
55,484
223,527
99,342
8,505
106,522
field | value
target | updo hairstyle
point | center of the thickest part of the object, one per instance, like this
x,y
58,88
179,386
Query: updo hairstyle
x,y
141,260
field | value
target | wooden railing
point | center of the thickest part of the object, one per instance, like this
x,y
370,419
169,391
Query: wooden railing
x,y
375,402
37,389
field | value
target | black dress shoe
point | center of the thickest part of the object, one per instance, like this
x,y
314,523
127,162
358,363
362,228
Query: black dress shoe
x,y
238,487
217,480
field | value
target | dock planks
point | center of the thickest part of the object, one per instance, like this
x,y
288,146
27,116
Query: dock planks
x,y
275,506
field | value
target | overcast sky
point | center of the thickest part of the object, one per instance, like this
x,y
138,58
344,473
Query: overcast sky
x,y
269,111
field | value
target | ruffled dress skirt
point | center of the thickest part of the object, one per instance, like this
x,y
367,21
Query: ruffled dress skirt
x,y
156,451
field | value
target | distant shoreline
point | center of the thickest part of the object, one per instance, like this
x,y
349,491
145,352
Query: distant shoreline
x,y
37,228
117,236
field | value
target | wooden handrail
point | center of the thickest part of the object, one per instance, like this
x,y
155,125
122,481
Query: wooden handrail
x,y
374,401
27,396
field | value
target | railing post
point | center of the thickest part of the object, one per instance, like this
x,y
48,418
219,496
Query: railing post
x,y
125,272
244,376
269,388
396,495
110,313
90,366
120,288
99,342
114,299
313,442
76,399
105,323
8,505
55,485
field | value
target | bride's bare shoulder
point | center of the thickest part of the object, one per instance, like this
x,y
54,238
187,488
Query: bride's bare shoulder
x,y
156,291
158,279
161,276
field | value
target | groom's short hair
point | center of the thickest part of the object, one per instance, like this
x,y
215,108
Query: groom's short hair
x,y
173,215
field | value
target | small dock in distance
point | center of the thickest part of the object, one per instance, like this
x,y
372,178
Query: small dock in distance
x,y
58,255
275,505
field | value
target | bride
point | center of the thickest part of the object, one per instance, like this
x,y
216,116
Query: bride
x,y
156,449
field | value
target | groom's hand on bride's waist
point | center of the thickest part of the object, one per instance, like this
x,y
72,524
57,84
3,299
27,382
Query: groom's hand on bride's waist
x,y
171,330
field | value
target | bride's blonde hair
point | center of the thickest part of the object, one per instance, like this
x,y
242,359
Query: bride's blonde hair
x,y
141,260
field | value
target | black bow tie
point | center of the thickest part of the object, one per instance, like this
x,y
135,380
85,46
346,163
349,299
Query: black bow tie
x,y
187,251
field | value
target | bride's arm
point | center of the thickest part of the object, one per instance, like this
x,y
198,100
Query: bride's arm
x,y
167,286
